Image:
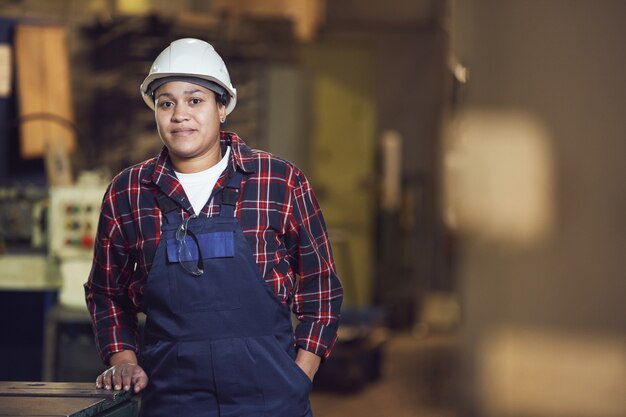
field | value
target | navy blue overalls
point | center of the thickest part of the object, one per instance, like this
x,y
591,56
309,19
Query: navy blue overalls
x,y
221,343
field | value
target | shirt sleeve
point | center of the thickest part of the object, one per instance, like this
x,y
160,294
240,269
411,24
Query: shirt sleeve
x,y
319,294
113,314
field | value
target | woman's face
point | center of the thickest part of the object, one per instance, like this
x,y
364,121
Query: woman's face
x,y
188,120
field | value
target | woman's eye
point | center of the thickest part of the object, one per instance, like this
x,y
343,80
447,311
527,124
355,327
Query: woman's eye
x,y
196,101
166,104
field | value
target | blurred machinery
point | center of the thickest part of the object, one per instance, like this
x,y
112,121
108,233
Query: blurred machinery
x,y
46,242
22,217
27,283
69,351
73,219
54,227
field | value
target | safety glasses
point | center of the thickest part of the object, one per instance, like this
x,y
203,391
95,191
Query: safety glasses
x,y
192,264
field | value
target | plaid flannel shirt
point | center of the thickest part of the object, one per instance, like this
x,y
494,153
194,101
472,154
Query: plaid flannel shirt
x,y
280,218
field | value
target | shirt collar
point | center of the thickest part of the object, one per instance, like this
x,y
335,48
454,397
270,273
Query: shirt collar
x,y
242,157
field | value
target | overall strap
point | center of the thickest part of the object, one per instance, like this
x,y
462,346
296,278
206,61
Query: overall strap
x,y
169,208
230,195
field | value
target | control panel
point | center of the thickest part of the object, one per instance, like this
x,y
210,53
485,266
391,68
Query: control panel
x,y
73,221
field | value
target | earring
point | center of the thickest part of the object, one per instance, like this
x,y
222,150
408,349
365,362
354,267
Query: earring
x,y
222,120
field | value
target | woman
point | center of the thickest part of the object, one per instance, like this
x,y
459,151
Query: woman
x,y
213,241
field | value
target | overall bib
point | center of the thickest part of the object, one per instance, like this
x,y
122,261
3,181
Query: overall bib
x,y
221,343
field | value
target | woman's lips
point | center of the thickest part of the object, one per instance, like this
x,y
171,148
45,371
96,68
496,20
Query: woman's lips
x,y
182,132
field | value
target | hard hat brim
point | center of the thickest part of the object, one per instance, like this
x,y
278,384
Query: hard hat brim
x,y
149,99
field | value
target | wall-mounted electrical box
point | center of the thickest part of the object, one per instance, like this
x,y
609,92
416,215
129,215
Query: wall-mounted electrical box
x,y
73,220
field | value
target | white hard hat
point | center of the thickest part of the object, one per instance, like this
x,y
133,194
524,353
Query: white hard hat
x,y
190,59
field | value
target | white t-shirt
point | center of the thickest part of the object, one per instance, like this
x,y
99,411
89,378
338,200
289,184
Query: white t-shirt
x,y
199,185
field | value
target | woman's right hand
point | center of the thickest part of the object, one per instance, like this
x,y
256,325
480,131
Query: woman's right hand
x,y
123,374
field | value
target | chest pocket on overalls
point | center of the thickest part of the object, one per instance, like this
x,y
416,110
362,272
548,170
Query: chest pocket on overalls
x,y
199,278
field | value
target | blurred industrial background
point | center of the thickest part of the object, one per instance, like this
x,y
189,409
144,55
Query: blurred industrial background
x,y
469,157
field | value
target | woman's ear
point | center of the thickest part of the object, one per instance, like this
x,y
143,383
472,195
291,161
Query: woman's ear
x,y
221,110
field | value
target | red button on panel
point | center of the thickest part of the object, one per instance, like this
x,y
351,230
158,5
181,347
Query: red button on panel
x,y
86,241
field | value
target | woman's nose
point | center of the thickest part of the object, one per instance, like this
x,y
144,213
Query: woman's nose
x,y
180,114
